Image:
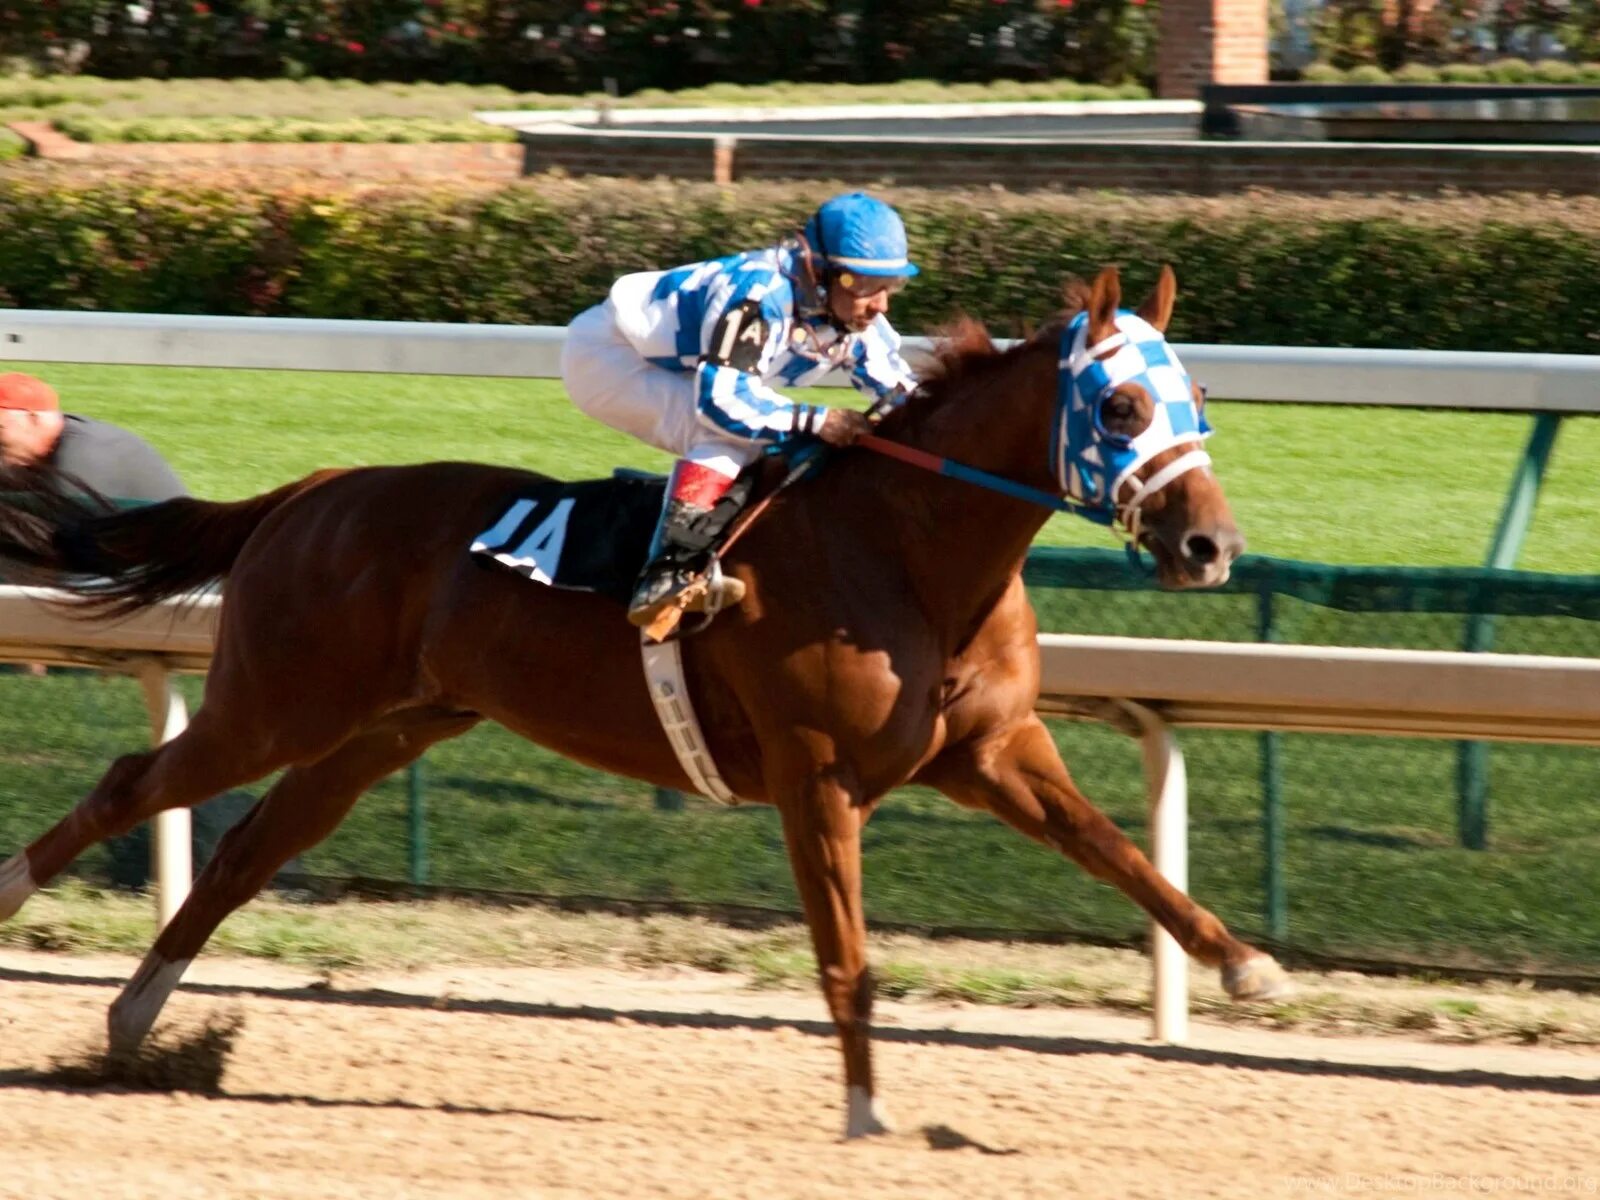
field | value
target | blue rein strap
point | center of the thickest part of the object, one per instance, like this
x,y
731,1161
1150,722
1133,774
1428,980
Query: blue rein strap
x,y
951,469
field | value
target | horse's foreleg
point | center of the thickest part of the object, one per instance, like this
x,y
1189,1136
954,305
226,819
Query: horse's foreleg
x,y
822,829
301,809
1019,776
191,768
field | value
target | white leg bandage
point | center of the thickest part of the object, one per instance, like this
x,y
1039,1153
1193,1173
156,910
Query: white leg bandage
x,y
16,884
865,1116
141,1002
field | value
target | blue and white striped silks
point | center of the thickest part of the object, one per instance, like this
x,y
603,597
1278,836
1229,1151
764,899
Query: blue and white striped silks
x,y
1092,464
669,317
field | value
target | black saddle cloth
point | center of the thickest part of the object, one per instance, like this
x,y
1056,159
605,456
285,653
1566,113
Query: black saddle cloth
x,y
590,536
594,535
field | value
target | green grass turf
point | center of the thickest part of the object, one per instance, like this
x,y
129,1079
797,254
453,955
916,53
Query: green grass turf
x,y
1373,869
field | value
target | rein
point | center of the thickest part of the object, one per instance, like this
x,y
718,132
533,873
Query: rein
x,y
951,469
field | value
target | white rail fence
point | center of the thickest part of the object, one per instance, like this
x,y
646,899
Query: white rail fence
x,y
1561,383
150,646
1146,687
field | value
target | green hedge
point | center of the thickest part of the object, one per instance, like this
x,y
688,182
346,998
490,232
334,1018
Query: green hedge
x,y
1499,273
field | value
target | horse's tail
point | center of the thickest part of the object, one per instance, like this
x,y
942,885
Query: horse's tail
x,y
120,562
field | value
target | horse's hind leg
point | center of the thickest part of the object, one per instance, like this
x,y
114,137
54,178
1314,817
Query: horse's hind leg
x,y
1019,776
301,809
208,757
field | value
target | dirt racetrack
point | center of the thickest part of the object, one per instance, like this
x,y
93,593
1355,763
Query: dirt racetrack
x,y
569,1083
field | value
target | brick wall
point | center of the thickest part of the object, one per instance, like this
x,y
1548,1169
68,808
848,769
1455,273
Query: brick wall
x,y
440,160
1199,168
1415,14
642,156
1209,41
381,160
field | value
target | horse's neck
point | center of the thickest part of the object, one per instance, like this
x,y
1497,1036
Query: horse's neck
x,y
961,543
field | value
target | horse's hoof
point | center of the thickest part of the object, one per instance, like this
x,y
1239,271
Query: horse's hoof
x,y
133,1014
16,885
865,1117
1257,979
127,1025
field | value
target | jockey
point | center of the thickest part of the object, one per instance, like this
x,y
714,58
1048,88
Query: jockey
x,y
689,360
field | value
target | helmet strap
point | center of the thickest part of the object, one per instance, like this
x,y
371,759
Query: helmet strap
x,y
823,296
811,290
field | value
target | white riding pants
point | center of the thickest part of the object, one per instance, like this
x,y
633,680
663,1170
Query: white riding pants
x,y
609,380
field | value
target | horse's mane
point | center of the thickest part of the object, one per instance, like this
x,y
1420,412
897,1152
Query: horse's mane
x,y
963,351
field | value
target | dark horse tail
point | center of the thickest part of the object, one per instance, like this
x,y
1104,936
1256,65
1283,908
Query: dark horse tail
x,y
55,532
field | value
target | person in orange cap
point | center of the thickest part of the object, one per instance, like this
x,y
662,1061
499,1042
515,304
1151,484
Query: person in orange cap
x,y
117,464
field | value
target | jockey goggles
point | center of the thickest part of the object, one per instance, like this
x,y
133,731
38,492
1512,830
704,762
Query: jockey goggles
x,y
862,286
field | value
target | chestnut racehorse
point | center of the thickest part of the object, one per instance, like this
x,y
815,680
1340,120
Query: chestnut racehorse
x,y
884,638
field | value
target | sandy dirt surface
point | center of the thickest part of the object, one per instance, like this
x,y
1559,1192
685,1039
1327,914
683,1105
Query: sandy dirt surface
x,y
587,1083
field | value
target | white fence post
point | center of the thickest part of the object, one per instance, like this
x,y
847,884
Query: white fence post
x,y
171,855
1167,789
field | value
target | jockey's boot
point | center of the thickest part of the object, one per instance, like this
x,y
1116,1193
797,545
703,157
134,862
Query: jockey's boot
x,y
700,504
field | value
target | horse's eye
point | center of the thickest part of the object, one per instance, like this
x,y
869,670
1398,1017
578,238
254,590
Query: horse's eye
x,y
1118,417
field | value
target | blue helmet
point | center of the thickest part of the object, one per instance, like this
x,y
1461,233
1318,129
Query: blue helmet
x,y
860,233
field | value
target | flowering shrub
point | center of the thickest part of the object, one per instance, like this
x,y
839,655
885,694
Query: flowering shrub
x,y
1392,33
584,44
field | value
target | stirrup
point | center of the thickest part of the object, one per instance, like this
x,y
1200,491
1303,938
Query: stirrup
x,y
720,590
707,594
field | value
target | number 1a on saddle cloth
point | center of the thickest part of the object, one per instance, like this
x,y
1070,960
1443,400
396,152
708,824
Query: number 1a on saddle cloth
x,y
590,536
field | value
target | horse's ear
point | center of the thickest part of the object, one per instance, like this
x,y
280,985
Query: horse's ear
x,y
1104,297
1157,306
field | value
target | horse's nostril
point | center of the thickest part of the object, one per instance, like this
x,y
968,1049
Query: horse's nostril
x,y
1206,549
1198,548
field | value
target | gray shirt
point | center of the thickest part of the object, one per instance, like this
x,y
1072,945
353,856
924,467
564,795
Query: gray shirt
x,y
117,464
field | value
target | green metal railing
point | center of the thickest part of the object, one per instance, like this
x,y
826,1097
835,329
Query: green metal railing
x,y
1516,517
1431,608
1324,822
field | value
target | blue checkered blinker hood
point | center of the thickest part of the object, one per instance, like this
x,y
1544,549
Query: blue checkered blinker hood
x,y
1092,464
